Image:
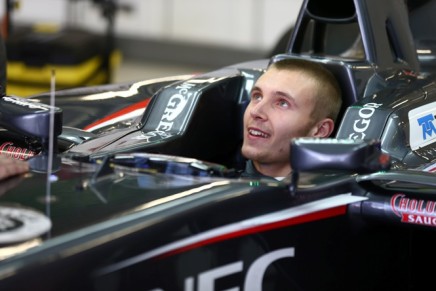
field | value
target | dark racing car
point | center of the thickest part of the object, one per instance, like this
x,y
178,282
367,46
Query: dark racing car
x,y
121,200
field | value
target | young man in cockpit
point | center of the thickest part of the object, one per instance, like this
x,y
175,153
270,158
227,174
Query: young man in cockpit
x,y
293,98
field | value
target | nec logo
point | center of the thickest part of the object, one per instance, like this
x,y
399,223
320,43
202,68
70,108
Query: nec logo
x,y
253,277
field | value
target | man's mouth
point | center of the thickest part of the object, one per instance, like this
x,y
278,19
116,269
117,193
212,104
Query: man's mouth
x,y
258,133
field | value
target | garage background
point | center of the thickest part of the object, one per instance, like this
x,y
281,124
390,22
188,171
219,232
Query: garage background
x,y
162,37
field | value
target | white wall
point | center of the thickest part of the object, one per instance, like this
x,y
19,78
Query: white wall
x,y
245,24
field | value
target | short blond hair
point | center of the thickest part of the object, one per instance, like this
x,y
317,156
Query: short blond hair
x,y
328,96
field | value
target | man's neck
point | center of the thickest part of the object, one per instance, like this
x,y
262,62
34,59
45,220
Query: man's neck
x,y
273,170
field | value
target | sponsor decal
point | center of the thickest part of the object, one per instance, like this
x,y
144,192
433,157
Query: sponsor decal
x,y
21,224
414,211
175,106
25,103
422,126
19,153
253,277
178,102
312,211
361,125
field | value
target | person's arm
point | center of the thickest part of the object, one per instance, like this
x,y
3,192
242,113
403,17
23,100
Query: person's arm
x,y
11,167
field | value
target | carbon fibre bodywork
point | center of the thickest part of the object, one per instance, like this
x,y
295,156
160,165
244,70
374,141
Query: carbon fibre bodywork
x,y
152,201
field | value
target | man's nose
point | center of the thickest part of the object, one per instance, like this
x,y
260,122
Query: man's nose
x,y
258,110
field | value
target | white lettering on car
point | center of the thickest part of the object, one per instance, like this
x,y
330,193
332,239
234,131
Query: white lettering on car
x,y
175,106
416,211
253,278
206,280
361,125
25,103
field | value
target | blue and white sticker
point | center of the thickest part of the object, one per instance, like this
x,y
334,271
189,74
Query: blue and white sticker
x,y
422,123
21,224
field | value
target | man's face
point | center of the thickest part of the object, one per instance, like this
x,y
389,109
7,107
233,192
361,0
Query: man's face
x,y
280,109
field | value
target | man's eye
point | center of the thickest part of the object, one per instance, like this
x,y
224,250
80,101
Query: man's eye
x,y
256,97
283,103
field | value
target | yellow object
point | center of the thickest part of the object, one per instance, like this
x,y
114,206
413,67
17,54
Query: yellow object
x,y
46,28
23,80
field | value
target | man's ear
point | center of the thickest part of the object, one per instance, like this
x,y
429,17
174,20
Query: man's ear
x,y
323,128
